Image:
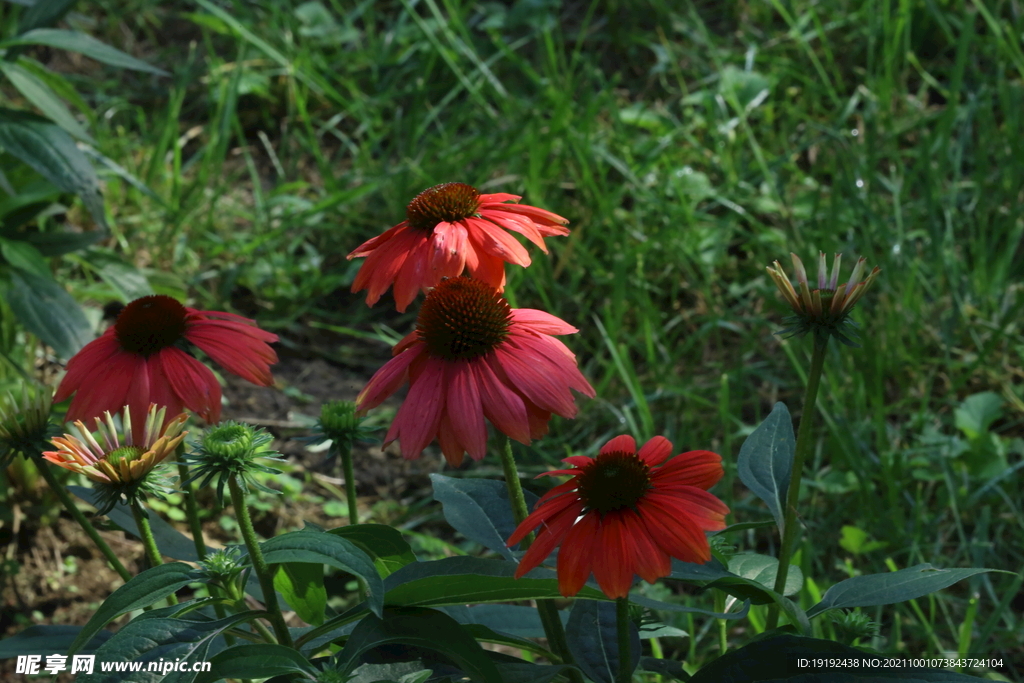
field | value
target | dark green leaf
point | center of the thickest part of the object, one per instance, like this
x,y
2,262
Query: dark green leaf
x,y
763,569
153,637
52,153
522,622
308,545
424,628
24,256
82,43
593,640
47,640
59,243
766,460
39,93
665,667
48,312
254,660
142,591
886,589
124,278
44,13
773,659
302,586
385,544
479,509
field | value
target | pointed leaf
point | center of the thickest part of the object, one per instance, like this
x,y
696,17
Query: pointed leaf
x,y
423,628
479,509
763,569
46,640
142,591
385,544
886,589
253,660
766,460
43,13
39,93
49,312
593,640
302,586
83,44
24,256
52,153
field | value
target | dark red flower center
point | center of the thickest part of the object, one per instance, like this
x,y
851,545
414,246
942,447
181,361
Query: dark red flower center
x,y
462,319
442,203
613,481
150,324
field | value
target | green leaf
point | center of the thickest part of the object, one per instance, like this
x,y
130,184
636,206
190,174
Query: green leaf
x,y
665,667
385,544
302,585
464,580
253,660
170,541
855,540
763,569
766,460
418,627
59,243
155,637
24,256
44,13
977,413
515,620
82,43
47,640
51,152
308,545
593,640
125,279
401,672
886,589
484,634
479,509
48,312
142,591
772,659
39,93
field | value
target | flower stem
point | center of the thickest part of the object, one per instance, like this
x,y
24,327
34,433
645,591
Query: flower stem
x,y
803,439
622,627
191,511
547,610
259,564
148,541
86,525
350,495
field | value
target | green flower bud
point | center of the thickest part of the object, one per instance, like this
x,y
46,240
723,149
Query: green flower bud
x,y
228,450
224,565
25,424
854,625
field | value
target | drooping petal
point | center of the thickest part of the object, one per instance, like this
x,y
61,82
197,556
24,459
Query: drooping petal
x,y
577,554
497,242
380,268
651,562
679,537
552,532
449,243
702,469
514,223
541,322
497,198
545,508
415,273
655,451
613,569
387,380
372,244
486,267
420,414
93,355
464,409
452,450
106,387
192,382
531,376
700,507
236,348
547,223
502,406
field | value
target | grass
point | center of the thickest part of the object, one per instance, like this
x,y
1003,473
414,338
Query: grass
x,y
690,145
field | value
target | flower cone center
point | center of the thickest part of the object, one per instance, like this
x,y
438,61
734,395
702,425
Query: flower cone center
x,y
124,454
614,481
150,324
442,203
463,319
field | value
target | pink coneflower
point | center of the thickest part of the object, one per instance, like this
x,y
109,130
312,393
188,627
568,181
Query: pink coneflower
x,y
141,359
450,228
470,357
625,513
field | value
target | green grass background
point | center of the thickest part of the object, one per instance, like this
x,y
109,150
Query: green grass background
x,y
690,144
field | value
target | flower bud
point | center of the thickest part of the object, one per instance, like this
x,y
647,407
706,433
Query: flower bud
x,y
25,424
229,450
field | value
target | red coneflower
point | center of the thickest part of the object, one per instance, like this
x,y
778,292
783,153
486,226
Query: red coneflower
x,y
625,513
449,228
141,359
470,357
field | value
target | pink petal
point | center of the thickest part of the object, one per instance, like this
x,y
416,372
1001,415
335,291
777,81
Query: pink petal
x,y
502,406
372,244
489,268
387,380
463,407
497,198
420,414
415,273
449,257
525,228
452,450
541,322
493,240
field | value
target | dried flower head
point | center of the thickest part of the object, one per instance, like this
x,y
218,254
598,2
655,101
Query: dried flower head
x,y
825,310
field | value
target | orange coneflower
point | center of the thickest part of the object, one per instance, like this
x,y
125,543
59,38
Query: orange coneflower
x,y
625,513
141,359
450,228
470,357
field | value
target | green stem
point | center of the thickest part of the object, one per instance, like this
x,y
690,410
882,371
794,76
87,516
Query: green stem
x,y
803,439
622,627
44,468
350,496
723,628
259,564
148,541
549,617
191,510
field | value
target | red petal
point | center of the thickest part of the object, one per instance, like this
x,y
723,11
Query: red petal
x,y
232,347
464,409
502,406
387,380
191,381
652,562
545,508
541,322
702,469
415,273
486,267
525,228
497,198
655,451
551,534
679,537
623,443
495,241
106,387
531,374
94,355
613,569
580,547
420,414
374,243
548,223
382,265
451,449
704,509
449,242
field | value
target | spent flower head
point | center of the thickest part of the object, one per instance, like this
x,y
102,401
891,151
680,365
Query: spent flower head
x,y
25,424
825,310
122,463
230,449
